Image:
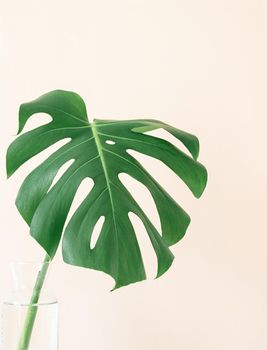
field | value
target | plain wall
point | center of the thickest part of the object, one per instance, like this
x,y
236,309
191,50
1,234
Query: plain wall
x,y
200,66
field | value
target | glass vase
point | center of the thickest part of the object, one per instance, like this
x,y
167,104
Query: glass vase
x,y
29,322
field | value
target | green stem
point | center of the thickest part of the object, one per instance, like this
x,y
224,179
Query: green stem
x,y
26,333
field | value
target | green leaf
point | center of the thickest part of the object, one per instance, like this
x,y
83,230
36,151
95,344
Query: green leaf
x,y
99,150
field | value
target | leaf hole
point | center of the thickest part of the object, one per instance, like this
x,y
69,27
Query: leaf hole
x,y
110,142
36,120
148,254
96,231
82,192
36,160
165,176
61,171
165,135
143,197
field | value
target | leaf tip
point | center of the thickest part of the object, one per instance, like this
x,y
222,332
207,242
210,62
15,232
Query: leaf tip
x,y
162,268
203,182
121,283
9,168
22,118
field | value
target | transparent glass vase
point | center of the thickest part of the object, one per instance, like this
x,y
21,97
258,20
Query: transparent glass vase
x,y
29,322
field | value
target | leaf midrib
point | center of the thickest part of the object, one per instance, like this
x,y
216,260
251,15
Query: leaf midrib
x,y
105,169
103,161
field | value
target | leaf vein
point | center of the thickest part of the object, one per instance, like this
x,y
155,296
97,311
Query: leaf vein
x,y
64,112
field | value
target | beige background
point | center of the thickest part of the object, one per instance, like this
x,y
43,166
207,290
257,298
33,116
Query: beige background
x,y
201,66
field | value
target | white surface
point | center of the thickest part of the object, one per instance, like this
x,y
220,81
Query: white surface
x,y
200,65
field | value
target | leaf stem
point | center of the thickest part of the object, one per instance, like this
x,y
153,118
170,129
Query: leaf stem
x,y
26,333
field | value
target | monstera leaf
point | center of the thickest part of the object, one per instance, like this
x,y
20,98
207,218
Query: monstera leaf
x,y
99,151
